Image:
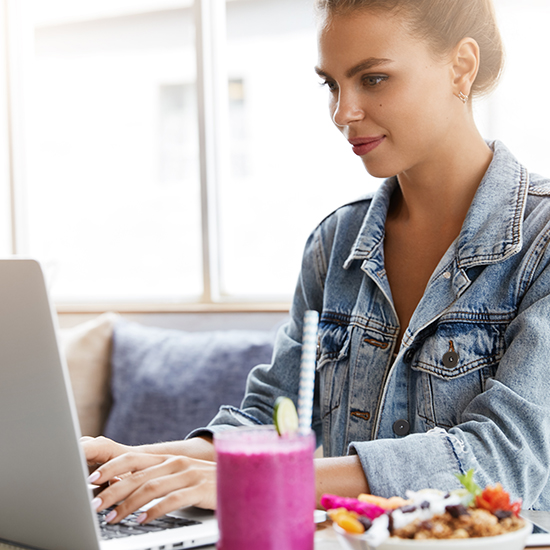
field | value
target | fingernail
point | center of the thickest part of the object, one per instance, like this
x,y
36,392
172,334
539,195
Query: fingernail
x,y
110,516
94,477
141,518
96,503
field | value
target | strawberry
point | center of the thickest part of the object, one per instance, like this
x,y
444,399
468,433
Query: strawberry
x,y
496,498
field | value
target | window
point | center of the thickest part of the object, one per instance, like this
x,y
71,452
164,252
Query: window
x,y
178,140
164,153
111,155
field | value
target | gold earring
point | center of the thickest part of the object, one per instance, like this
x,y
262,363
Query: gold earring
x,y
462,97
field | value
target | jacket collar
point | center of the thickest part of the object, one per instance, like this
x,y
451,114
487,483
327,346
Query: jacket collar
x,y
492,230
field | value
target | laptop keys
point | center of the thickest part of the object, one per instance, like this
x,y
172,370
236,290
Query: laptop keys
x,y
129,526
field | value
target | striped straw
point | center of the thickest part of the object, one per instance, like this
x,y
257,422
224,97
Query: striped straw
x,y
307,371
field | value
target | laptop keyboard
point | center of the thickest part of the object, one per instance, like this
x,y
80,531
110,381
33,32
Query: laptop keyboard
x,y
130,526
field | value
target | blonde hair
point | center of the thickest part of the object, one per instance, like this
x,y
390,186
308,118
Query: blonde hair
x,y
443,24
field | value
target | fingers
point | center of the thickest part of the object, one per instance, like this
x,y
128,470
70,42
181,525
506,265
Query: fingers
x,y
178,499
180,480
99,450
146,482
179,483
125,466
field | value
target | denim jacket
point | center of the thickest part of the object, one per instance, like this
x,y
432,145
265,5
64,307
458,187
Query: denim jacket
x,y
469,387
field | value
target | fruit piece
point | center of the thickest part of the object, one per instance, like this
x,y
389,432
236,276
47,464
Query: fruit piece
x,y
365,522
496,498
285,416
503,514
371,511
351,525
387,503
347,520
493,498
456,510
515,507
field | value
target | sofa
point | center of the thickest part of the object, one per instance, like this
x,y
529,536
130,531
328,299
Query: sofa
x,y
139,384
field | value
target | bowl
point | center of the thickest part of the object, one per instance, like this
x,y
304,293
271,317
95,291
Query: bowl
x,y
515,540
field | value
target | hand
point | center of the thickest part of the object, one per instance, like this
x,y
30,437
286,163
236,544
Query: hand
x,y
178,480
99,450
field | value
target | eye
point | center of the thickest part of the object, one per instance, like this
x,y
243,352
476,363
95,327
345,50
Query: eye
x,y
371,81
331,85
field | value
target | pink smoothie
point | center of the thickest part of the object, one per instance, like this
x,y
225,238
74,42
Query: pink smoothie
x,y
266,490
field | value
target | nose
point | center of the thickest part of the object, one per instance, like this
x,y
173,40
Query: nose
x,y
346,109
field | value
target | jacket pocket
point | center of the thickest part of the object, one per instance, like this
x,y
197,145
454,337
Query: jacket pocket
x,y
332,364
452,367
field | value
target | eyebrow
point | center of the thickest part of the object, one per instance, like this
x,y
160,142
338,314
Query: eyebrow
x,y
364,65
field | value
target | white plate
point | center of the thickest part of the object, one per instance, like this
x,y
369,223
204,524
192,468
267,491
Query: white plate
x,y
510,541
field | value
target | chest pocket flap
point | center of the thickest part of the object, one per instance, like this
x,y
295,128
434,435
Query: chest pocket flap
x,y
456,349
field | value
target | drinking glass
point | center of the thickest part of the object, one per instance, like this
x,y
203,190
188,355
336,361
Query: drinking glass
x,y
265,489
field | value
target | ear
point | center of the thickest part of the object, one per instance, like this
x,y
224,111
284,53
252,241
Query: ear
x,y
465,65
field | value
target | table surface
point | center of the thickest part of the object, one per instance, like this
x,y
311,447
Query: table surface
x,y
325,539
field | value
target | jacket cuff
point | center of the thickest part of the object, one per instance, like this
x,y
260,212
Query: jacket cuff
x,y
418,461
227,418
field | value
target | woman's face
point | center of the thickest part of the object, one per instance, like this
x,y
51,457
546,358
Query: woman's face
x,y
389,95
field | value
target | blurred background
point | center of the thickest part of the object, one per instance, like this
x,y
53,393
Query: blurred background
x,y
168,155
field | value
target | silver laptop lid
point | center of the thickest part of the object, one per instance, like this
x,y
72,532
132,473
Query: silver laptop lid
x,y
44,499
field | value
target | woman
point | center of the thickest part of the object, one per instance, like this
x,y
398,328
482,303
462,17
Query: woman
x,y
433,294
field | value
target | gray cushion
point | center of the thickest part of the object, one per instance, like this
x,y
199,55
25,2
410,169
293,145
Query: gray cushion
x,y
165,383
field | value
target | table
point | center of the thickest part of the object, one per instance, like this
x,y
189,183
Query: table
x,y
325,539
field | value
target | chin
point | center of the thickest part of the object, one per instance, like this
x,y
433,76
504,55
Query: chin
x,y
378,171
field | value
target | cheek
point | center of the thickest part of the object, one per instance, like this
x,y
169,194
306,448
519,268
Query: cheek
x,y
407,114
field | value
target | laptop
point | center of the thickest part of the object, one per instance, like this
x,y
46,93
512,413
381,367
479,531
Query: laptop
x,y
45,501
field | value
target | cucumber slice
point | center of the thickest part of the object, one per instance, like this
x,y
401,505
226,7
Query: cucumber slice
x,y
285,416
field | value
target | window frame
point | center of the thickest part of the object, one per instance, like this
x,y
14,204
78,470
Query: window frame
x,y
209,18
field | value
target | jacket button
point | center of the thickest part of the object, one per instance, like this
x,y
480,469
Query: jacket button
x,y
401,427
450,359
408,357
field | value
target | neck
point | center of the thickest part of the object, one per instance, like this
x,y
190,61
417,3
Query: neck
x,y
439,192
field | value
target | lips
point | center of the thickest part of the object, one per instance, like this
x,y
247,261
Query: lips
x,y
363,145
